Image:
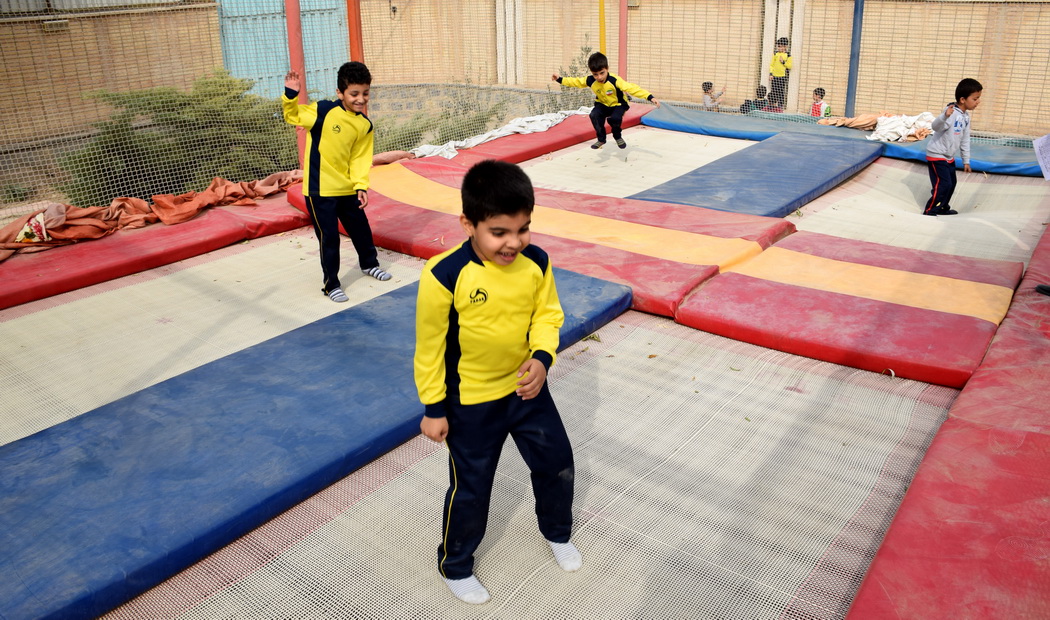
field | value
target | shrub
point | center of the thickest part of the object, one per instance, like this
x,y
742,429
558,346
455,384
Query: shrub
x,y
164,141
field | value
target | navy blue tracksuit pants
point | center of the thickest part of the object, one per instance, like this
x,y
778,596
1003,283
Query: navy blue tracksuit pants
x,y
942,177
475,439
600,112
327,212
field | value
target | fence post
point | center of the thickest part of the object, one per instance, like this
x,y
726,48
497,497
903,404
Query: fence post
x,y
356,33
854,58
622,64
297,61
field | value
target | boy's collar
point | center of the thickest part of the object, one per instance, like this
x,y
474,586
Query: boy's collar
x,y
473,255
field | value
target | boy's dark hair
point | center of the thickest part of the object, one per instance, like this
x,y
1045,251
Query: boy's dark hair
x,y
492,188
707,86
761,92
967,87
782,41
597,62
819,92
353,73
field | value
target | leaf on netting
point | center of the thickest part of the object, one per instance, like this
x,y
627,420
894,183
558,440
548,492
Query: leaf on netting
x,y
652,355
593,337
734,369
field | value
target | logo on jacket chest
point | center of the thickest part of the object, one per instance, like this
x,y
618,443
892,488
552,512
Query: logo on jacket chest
x,y
336,128
478,296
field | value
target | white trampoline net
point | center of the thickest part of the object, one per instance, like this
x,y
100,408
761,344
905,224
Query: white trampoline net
x,y
715,479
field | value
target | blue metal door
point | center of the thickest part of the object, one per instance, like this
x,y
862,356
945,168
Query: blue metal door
x,y
255,43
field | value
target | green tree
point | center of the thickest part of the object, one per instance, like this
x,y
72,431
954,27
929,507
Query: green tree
x,y
165,141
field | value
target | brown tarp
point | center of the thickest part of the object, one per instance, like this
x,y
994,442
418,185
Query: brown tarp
x,y
67,224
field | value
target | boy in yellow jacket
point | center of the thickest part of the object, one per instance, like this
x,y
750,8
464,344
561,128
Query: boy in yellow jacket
x,y
338,158
487,321
779,70
610,97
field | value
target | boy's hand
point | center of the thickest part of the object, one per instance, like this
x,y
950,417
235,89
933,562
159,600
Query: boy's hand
x,y
655,102
362,197
534,375
949,109
966,168
436,429
554,77
291,80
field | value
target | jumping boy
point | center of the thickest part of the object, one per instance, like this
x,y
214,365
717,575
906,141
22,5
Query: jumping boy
x,y
951,134
610,97
338,158
487,321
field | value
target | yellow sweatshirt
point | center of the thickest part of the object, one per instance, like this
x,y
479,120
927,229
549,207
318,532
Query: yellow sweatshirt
x,y
477,322
339,146
609,93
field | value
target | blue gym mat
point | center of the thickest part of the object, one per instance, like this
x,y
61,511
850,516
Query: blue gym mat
x,y
96,510
984,157
773,177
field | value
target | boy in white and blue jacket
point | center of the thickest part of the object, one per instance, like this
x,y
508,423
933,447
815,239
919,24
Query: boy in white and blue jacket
x,y
951,134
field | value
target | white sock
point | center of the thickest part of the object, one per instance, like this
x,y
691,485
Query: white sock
x,y
468,590
568,556
377,273
338,295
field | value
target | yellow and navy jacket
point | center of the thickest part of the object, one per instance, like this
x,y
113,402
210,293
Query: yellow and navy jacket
x,y
339,146
779,64
609,93
477,322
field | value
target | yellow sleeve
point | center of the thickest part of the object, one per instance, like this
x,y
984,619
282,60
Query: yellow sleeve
x,y
632,89
361,160
772,61
432,309
547,318
787,65
296,114
574,82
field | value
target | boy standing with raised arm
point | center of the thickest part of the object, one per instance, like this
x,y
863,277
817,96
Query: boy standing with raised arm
x,y
338,158
610,97
487,321
951,134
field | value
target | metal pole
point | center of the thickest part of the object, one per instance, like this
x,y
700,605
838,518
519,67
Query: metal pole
x,y
622,64
854,58
356,34
297,61
601,26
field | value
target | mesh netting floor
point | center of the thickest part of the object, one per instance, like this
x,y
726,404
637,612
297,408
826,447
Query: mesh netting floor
x,y
74,352
1000,217
714,479
653,156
